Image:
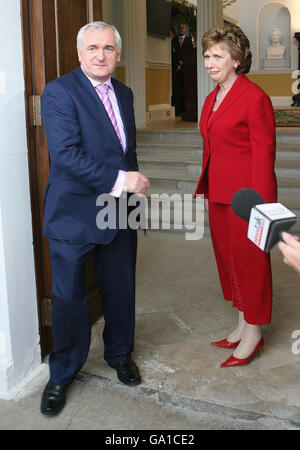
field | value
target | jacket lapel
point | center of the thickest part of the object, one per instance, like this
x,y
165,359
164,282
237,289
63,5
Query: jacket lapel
x,y
235,92
208,108
98,105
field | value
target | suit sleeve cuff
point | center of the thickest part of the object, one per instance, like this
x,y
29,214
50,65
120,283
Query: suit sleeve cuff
x,y
119,184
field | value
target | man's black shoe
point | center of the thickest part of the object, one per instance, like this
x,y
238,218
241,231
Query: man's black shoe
x,y
53,399
127,372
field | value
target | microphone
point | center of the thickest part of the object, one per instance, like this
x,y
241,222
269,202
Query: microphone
x,y
267,221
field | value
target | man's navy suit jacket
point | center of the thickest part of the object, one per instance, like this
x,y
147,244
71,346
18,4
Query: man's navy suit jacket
x,y
85,155
179,51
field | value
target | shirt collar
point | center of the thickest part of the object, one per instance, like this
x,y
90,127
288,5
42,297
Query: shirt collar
x,y
95,83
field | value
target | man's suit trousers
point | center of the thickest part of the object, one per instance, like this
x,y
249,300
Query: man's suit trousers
x,y
115,272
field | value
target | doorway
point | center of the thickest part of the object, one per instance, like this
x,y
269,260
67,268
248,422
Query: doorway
x,y
49,30
184,60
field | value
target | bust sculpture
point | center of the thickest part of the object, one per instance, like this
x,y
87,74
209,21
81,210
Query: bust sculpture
x,y
276,50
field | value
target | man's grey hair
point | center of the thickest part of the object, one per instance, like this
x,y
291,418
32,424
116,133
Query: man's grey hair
x,y
98,26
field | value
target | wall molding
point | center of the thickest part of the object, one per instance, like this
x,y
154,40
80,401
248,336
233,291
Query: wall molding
x,y
151,64
281,101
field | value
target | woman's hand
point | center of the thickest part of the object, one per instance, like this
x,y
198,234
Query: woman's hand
x,y
290,249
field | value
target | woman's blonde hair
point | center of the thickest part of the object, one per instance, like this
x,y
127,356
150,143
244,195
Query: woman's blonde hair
x,y
236,43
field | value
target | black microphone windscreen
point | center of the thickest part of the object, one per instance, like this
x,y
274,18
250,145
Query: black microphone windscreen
x,y
244,200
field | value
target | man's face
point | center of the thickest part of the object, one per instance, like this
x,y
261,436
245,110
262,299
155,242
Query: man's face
x,y
181,29
99,55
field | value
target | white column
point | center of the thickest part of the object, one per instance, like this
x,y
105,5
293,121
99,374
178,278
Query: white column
x,y
19,332
209,14
136,40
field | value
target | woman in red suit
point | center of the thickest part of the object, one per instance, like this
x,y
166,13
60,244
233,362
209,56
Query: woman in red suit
x,y
238,129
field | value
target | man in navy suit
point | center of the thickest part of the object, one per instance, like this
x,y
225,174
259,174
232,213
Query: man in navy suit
x,y
89,122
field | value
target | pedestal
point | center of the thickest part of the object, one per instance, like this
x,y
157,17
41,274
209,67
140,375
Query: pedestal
x,y
276,63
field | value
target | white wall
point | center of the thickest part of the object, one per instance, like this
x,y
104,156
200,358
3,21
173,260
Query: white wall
x,y
232,12
113,13
19,334
248,18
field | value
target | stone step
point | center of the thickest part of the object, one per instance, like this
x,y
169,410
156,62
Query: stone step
x,y
184,150
174,165
187,183
289,169
194,151
181,203
288,194
288,136
176,213
289,197
288,182
288,163
288,152
168,136
177,172
172,160
195,148
156,164
199,228
284,136
172,404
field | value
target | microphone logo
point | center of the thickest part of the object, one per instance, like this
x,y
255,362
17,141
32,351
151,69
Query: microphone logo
x,y
259,224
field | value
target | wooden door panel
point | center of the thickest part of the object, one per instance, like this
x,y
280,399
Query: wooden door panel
x,y
49,44
97,10
77,12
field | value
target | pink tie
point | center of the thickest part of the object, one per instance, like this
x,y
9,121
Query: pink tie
x,y
103,89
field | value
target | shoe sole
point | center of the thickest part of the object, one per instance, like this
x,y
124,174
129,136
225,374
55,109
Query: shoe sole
x,y
53,413
130,383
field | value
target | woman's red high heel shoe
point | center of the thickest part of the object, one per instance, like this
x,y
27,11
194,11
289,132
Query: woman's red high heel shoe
x,y
232,361
226,344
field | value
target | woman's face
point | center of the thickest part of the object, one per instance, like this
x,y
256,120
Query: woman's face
x,y
219,63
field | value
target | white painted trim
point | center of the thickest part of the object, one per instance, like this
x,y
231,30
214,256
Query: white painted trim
x,y
270,71
231,19
157,107
281,101
20,351
150,64
160,112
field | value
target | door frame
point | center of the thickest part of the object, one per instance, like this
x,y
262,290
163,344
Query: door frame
x,y
36,75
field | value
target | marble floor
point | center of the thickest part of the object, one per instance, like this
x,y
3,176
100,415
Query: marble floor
x,y
180,309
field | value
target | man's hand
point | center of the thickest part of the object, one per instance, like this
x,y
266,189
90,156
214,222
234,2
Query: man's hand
x,y
136,183
290,249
